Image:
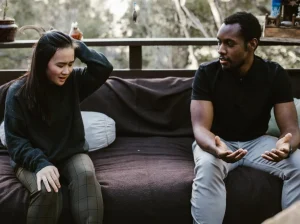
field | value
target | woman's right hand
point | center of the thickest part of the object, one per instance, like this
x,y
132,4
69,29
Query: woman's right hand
x,y
50,177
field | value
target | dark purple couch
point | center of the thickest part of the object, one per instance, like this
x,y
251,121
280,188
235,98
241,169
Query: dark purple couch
x,y
147,173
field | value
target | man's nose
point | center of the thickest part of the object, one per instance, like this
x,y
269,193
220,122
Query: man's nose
x,y
221,49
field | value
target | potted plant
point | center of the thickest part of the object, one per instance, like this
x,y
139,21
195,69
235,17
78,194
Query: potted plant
x,y
8,28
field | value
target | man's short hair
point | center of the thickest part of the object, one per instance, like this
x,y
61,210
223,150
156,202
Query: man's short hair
x,y
250,27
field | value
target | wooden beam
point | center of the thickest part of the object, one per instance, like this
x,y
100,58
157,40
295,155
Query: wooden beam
x,y
124,73
286,33
135,73
135,57
266,41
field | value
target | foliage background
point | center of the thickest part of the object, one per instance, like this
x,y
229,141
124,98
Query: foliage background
x,y
156,18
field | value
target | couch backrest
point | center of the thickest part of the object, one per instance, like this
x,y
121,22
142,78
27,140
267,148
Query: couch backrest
x,y
145,107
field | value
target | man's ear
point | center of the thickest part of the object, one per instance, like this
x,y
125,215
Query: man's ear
x,y
252,44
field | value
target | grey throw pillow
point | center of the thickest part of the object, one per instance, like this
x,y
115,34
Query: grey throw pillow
x,y
100,130
273,128
2,134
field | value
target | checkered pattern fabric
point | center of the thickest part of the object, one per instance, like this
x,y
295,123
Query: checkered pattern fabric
x,y
85,193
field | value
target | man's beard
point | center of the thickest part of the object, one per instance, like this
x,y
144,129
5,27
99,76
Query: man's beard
x,y
234,69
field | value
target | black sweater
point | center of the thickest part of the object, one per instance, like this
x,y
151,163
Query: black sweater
x,y
33,143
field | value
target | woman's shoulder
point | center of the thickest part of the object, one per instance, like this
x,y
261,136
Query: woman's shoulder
x,y
15,87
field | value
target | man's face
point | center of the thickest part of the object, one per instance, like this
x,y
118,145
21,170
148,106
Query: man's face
x,y
234,53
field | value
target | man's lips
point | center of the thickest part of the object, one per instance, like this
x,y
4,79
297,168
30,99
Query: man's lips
x,y
223,60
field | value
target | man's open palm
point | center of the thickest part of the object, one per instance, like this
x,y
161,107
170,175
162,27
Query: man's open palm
x,y
282,149
227,155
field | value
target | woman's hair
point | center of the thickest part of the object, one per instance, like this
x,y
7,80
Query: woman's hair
x,y
35,87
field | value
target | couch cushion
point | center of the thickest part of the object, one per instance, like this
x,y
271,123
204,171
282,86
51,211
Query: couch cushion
x,y
146,180
252,196
13,196
145,107
273,128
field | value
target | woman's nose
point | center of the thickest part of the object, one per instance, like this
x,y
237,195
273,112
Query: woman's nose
x,y
65,70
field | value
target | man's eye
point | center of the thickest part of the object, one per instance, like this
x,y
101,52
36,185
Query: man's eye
x,y
230,43
60,66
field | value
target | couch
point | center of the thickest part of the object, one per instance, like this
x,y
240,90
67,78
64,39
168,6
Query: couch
x,y
146,174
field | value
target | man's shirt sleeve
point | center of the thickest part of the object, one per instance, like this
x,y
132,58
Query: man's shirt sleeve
x,y
201,87
282,88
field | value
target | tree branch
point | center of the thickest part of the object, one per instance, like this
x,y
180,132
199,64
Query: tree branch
x,y
183,22
215,13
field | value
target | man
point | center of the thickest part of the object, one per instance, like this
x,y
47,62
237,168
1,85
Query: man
x,y
230,109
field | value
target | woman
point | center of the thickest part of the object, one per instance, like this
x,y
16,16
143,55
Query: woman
x,y
44,129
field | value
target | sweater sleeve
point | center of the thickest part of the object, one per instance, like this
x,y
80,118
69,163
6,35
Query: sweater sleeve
x,y
18,144
97,71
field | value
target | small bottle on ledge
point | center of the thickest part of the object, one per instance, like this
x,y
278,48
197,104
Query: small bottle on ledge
x,y
275,8
75,31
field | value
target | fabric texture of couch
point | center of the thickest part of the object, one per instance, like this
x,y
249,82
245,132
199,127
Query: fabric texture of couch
x,y
146,174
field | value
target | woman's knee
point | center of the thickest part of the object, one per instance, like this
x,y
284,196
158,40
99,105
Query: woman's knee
x,y
86,177
45,197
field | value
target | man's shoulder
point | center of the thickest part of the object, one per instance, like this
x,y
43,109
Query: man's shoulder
x,y
210,67
210,64
271,66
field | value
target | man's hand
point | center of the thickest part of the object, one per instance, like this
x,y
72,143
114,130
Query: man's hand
x,y
227,155
282,149
49,175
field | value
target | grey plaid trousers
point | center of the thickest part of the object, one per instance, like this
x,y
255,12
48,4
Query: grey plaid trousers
x,y
84,192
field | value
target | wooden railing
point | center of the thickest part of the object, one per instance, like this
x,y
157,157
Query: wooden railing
x,y
135,54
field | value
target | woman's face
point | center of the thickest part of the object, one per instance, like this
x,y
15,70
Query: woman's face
x,y
60,66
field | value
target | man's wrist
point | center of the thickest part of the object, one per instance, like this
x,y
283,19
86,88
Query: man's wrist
x,y
290,152
213,150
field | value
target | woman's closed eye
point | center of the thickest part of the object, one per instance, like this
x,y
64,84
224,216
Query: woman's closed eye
x,y
62,65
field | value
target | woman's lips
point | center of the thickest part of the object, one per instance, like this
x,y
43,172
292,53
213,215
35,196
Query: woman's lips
x,y
62,78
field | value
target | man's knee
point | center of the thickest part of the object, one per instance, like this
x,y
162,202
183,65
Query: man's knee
x,y
295,172
294,165
207,161
207,166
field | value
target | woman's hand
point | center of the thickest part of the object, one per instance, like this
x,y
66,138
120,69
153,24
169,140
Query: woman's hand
x,y
50,176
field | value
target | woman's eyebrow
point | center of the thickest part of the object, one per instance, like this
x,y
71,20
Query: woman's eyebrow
x,y
62,62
